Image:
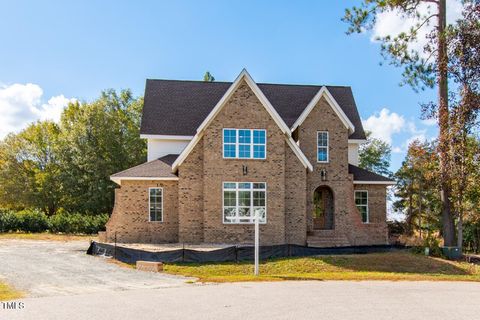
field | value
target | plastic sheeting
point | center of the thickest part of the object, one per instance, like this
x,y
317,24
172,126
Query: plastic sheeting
x,y
234,253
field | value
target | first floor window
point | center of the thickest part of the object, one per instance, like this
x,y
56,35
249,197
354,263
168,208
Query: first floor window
x,y
322,146
155,201
361,201
243,201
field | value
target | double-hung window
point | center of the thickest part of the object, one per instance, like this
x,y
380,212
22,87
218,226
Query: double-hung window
x,y
322,146
244,143
361,201
243,201
155,204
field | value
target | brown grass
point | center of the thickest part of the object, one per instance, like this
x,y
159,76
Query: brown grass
x,y
377,266
46,236
8,293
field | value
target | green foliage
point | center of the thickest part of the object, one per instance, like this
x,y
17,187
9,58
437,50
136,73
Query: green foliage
x,y
208,77
32,221
62,222
375,156
97,140
419,72
8,221
417,188
29,170
78,223
67,166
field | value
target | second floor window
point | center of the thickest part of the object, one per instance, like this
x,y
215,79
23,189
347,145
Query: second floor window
x,y
322,146
244,143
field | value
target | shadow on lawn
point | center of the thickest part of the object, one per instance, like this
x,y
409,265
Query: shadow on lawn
x,y
397,262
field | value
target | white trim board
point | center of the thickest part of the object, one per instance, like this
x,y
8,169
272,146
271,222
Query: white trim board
x,y
165,137
357,141
118,180
323,92
244,75
390,183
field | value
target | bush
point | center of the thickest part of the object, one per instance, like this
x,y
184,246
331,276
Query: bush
x,y
78,223
32,221
9,221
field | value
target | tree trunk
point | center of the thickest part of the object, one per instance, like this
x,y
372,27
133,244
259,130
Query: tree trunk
x,y
448,226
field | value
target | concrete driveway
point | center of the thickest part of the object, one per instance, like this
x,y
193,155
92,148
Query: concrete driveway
x,y
51,268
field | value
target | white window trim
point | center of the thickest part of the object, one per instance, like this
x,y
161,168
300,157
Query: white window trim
x,y
149,216
237,144
236,198
367,205
328,147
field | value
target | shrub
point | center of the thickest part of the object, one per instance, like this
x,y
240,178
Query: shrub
x,y
32,220
78,223
8,221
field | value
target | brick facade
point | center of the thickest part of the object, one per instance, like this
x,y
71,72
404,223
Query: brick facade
x,y
130,217
193,204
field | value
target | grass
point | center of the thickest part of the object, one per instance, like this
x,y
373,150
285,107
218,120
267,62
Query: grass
x,y
8,293
376,266
45,236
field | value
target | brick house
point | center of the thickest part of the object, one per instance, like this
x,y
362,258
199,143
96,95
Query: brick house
x,y
220,153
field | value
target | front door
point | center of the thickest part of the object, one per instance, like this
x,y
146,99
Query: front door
x,y
319,214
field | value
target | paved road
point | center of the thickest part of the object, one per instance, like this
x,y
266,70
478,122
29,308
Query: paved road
x,y
277,300
51,268
64,283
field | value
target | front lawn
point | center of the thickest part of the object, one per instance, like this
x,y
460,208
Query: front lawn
x,y
45,236
375,266
8,293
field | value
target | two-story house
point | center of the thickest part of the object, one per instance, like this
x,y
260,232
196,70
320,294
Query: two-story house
x,y
221,154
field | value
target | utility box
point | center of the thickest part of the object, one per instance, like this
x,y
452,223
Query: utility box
x,y
452,253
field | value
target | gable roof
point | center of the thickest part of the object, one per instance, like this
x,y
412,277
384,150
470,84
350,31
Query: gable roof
x,y
323,92
243,76
362,176
158,169
176,107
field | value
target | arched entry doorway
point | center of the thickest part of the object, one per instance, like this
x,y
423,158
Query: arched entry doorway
x,y
323,209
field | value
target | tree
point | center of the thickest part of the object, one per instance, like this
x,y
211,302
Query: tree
x,y
98,139
419,72
417,188
208,77
29,168
464,70
375,156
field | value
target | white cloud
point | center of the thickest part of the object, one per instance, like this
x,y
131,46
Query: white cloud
x,y
384,124
393,23
21,104
430,122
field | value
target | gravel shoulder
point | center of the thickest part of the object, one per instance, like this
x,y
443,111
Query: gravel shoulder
x,y
52,268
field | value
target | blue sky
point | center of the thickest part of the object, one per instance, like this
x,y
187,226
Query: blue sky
x,y
75,49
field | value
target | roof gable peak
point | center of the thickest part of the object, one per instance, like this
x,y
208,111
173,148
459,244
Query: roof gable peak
x,y
243,76
324,92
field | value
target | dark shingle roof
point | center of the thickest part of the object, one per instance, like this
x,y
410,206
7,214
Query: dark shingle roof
x,y
175,107
153,169
360,174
